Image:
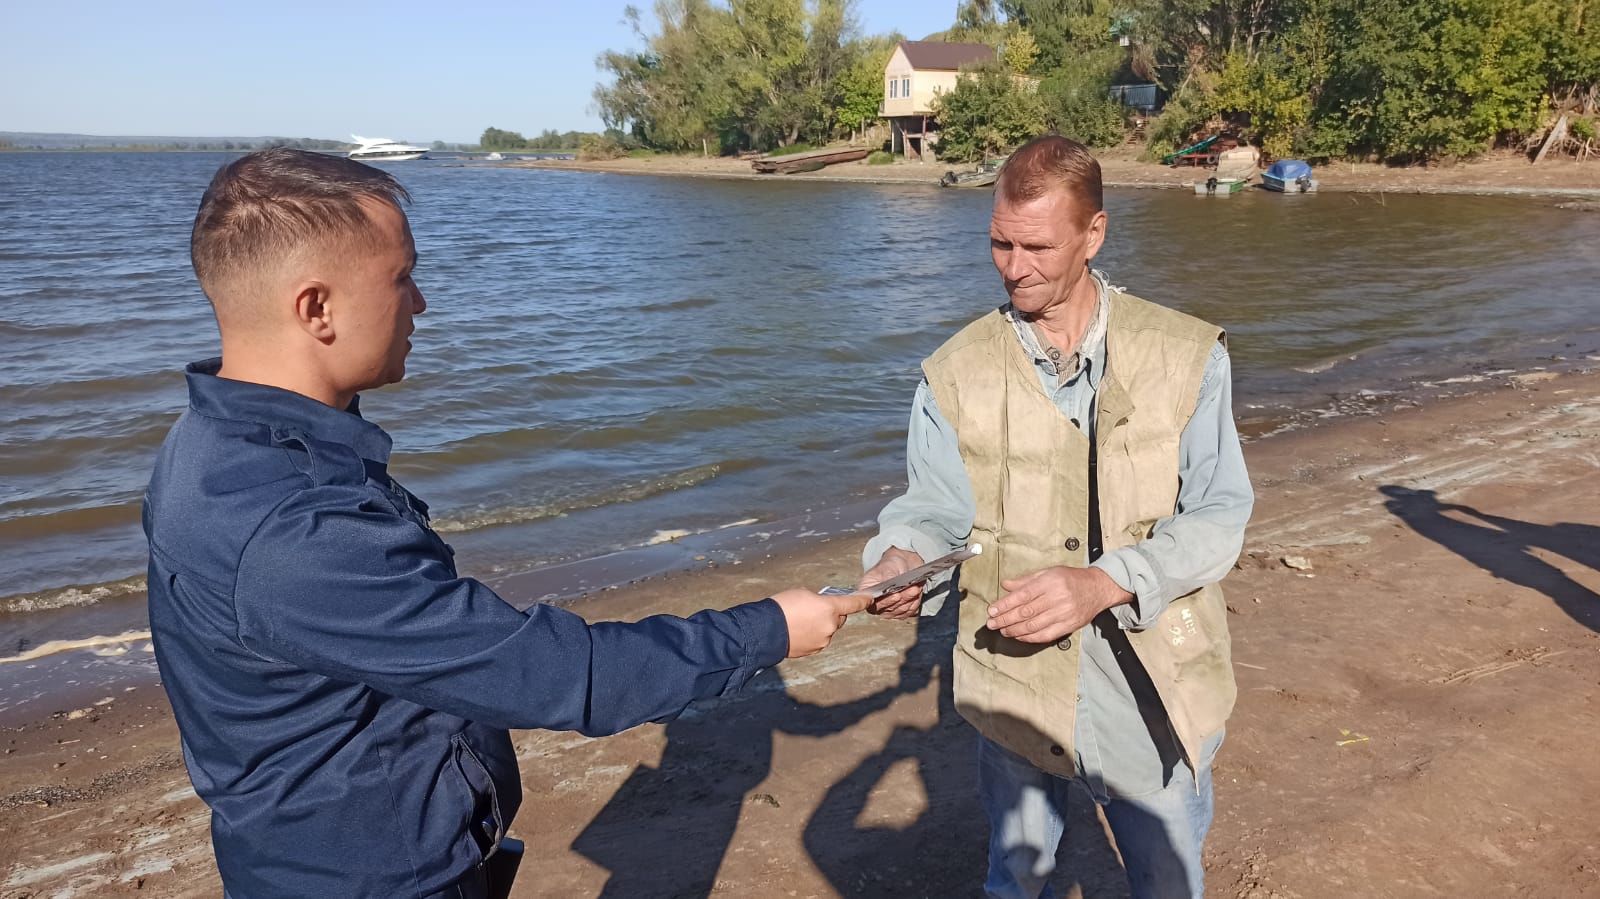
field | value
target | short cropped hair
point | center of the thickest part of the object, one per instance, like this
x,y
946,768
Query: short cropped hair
x,y
267,204
1053,162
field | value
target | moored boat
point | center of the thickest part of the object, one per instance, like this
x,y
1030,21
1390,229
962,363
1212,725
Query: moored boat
x,y
382,149
968,179
1290,176
809,161
1219,187
984,175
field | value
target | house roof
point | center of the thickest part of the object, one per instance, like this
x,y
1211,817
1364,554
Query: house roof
x,y
944,56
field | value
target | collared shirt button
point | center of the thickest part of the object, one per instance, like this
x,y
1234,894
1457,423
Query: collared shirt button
x,y
1064,644
1057,750
1073,544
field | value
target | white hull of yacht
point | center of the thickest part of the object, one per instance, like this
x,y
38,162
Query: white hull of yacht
x,y
388,157
382,149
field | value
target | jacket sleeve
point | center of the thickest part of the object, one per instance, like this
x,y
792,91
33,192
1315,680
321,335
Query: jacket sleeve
x,y
1197,544
336,583
934,515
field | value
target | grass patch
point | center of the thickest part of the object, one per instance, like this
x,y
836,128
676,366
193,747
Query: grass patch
x,y
880,157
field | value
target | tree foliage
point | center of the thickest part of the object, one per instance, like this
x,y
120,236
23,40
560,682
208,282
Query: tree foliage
x,y
989,111
495,139
744,74
1063,28
1389,79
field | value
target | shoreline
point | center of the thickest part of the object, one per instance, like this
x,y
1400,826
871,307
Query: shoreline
x,y
70,670
1435,629
1495,174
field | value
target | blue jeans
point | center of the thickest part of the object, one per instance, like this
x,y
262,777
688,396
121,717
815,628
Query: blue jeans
x,y
1159,835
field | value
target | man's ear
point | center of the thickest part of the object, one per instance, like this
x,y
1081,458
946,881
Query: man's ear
x,y
1096,234
311,310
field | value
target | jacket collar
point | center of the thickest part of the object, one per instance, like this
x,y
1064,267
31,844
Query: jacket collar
x,y
281,409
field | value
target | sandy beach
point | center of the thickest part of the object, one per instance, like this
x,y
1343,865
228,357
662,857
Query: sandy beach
x,y
1417,639
1498,173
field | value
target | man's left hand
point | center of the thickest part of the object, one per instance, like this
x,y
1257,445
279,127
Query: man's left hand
x,y
1047,605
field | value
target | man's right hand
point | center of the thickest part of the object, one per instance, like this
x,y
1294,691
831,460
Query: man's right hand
x,y
813,619
902,604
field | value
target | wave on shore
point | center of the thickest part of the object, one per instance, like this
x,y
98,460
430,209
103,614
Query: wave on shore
x,y
74,595
119,642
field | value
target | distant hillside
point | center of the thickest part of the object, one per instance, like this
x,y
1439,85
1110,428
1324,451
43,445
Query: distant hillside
x,y
34,140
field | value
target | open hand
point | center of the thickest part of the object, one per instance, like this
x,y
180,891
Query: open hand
x,y
813,619
901,604
1051,603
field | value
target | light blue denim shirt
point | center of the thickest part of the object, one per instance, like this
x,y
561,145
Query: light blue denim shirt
x,y
1187,550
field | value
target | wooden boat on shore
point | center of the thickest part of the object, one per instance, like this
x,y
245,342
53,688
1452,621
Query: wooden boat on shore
x,y
809,161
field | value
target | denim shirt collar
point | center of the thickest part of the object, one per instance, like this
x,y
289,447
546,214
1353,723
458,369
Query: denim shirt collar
x,y
277,408
1091,350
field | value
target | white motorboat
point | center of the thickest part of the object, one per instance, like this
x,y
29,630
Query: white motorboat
x,y
382,149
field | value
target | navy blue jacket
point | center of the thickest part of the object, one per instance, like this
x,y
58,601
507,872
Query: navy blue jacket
x,y
343,695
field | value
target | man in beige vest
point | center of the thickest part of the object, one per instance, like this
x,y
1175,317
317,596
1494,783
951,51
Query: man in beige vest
x,y
1086,439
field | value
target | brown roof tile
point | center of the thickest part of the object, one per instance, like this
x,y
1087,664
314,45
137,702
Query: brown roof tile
x,y
944,56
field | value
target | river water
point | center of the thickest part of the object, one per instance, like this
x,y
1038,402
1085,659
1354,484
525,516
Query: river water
x,y
641,370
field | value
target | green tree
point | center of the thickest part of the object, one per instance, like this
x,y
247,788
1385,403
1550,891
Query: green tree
x,y
1077,102
678,92
860,88
1020,52
1443,80
750,73
989,111
495,139
978,22
1063,28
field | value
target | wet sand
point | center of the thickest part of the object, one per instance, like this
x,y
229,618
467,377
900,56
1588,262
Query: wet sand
x,y
1417,639
1498,173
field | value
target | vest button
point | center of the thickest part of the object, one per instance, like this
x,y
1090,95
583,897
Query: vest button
x,y
1073,544
1057,750
1064,644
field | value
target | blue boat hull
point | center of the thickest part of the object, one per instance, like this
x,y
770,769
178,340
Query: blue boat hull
x,y
1289,176
1290,186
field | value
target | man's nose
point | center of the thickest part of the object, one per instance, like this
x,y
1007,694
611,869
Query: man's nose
x,y
419,304
1013,267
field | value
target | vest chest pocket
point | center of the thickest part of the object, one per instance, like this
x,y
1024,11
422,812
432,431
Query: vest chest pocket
x,y
1144,486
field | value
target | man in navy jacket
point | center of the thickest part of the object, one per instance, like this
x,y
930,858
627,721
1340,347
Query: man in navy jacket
x,y
343,695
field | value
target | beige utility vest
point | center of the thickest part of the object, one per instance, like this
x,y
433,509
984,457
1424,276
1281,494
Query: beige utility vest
x,y
1029,468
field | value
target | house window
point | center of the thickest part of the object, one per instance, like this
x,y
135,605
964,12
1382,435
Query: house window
x,y
905,87
894,89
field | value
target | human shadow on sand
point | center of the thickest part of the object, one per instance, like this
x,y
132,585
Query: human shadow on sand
x,y
668,828
1504,546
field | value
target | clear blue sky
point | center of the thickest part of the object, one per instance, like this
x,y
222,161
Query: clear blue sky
x,y
302,68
